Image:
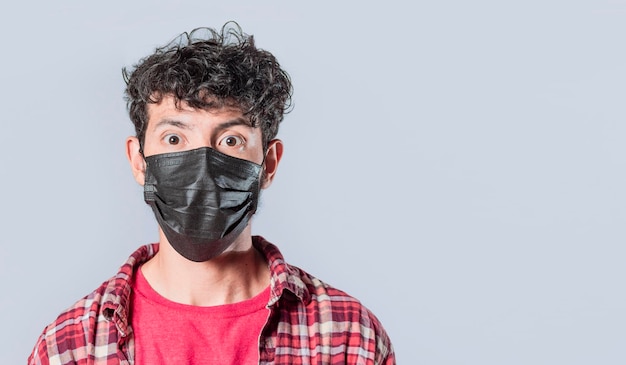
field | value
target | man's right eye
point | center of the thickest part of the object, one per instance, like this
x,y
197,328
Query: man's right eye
x,y
172,139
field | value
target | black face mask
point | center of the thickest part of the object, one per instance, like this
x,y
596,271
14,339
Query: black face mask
x,y
202,199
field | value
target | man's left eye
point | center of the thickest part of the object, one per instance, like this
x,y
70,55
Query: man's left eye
x,y
231,141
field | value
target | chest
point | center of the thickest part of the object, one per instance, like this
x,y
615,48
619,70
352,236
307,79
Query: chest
x,y
172,333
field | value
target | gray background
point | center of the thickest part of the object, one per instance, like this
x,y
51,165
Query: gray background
x,y
458,166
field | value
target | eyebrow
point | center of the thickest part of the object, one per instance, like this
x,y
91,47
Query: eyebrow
x,y
172,123
220,127
231,123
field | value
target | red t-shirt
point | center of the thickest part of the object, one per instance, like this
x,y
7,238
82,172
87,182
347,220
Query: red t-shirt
x,y
172,333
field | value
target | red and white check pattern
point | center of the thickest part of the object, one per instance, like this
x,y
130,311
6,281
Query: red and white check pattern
x,y
310,322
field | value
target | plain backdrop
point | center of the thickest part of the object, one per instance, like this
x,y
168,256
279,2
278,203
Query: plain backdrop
x,y
459,166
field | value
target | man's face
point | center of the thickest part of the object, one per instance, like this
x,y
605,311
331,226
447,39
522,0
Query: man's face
x,y
173,129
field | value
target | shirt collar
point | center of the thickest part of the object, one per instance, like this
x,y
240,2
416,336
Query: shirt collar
x,y
285,282
116,298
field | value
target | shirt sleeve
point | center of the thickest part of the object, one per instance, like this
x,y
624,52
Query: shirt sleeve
x,y
39,356
390,359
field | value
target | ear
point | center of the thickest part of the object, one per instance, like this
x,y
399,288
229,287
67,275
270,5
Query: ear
x,y
272,158
136,160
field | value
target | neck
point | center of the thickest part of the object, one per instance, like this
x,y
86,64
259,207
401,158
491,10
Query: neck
x,y
238,274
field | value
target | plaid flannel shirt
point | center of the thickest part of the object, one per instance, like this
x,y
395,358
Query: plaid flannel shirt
x,y
310,322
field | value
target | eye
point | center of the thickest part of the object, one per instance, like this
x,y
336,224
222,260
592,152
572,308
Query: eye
x,y
231,141
172,139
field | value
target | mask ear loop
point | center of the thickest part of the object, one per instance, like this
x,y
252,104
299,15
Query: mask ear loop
x,y
259,182
262,177
145,164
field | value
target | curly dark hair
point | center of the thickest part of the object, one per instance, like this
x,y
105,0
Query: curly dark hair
x,y
208,69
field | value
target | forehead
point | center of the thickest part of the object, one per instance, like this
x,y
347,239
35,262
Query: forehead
x,y
168,107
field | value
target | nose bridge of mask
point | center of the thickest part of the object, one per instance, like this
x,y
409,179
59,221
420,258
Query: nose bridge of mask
x,y
217,160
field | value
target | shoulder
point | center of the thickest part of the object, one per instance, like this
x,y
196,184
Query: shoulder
x,y
89,327
339,306
335,314
69,335
311,314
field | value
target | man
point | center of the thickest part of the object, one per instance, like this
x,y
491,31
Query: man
x,y
206,110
